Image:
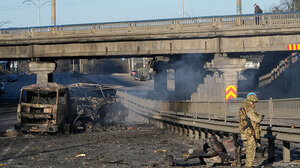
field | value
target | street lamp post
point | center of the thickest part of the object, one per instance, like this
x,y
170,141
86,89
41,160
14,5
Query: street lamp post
x,y
182,8
38,5
239,7
53,12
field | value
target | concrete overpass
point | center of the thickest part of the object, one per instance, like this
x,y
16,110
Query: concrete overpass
x,y
221,36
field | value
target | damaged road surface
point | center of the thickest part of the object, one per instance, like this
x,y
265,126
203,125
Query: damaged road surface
x,y
118,147
126,146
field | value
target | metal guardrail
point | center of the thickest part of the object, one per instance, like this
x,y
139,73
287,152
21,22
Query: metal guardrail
x,y
272,109
224,112
194,24
184,116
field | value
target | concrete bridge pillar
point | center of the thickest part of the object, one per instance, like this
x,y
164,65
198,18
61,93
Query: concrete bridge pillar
x,y
196,133
160,78
225,73
229,66
180,130
176,129
43,70
189,72
191,132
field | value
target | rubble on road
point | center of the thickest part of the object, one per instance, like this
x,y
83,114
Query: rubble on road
x,y
116,147
11,133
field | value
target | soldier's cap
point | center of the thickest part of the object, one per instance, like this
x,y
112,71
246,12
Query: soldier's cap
x,y
252,97
251,93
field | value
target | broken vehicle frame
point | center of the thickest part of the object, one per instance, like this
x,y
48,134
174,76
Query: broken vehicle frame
x,y
52,107
88,104
42,108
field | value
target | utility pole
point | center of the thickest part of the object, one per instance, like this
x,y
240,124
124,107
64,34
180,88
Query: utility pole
x,y
38,5
53,12
239,7
182,8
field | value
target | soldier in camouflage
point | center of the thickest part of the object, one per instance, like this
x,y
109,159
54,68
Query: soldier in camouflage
x,y
249,127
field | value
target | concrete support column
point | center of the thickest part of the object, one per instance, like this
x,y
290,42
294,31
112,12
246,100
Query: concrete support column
x,y
161,125
202,134
160,78
196,134
151,122
155,123
286,152
217,136
187,68
176,129
191,132
167,126
43,70
147,120
180,130
209,134
185,131
172,128
230,68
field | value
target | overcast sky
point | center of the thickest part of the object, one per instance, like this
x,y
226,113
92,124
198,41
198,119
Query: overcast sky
x,y
95,11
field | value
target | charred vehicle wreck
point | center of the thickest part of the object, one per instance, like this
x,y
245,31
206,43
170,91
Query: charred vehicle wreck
x,y
51,107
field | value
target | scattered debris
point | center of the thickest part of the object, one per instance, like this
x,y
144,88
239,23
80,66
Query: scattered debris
x,y
80,155
160,150
11,133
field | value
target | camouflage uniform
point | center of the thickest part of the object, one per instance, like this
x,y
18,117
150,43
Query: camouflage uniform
x,y
248,108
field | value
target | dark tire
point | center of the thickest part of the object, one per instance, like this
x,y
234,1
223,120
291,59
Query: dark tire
x,y
67,129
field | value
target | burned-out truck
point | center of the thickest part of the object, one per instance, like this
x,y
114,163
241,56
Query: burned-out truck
x,y
51,107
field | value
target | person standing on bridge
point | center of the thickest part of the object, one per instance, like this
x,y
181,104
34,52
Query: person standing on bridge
x,y
249,127
257,10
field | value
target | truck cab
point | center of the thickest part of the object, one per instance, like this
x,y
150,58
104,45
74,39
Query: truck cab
x,y
43,108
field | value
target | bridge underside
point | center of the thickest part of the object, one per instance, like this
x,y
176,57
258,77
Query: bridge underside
x,y
149,47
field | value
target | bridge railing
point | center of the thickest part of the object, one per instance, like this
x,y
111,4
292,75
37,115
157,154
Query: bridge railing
x,y
278,70
226,111
194,24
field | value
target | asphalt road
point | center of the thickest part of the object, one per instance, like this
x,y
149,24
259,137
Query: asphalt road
x,y
126,146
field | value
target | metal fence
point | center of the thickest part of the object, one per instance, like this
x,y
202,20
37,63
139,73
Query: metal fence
x,y
277,71
227,111
198,24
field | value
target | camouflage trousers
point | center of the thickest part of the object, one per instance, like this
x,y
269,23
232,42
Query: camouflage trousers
x,y
250,151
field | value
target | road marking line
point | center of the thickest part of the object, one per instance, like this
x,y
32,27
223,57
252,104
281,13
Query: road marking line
x,y
18,154
11,118
5,150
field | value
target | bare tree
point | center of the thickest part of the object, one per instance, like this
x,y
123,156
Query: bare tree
x,y
287,6
4,23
